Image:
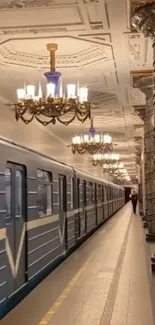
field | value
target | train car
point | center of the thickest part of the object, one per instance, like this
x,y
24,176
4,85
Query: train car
x,y
46,209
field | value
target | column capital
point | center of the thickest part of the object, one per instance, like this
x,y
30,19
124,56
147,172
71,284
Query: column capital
x,y
140,111
143,18
143,79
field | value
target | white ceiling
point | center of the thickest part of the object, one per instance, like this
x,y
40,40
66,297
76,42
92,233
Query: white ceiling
x,y
96,47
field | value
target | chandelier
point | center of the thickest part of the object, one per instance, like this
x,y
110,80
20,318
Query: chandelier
x,y
107,158
113,169
123,176
47,109
92,142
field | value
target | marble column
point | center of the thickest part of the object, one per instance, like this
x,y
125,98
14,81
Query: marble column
x,y
145,84
141,174
143,20
143,178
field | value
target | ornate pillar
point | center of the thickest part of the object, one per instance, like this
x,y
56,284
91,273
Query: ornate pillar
x,y
140,111
143,20
143,189
145,84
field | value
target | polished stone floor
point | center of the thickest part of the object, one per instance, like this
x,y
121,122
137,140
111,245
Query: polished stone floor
x,y
105,282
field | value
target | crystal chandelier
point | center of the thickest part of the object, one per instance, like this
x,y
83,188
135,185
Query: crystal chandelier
x,y
113,169
92,142
47,109
107,158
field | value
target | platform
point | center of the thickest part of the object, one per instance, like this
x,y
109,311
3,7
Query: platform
x,y
105,282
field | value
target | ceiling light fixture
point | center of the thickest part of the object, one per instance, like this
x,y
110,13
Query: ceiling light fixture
x,y
122,175
107,158
113,169
92,142
55,105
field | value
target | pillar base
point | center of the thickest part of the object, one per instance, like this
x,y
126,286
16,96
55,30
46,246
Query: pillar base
x,y
150,237
145,224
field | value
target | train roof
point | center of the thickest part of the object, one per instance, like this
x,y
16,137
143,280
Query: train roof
x,y
82,173
11,143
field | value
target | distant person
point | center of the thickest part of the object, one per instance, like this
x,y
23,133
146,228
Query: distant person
x,y
134,199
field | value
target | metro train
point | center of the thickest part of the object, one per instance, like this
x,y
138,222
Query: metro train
x,y
46,210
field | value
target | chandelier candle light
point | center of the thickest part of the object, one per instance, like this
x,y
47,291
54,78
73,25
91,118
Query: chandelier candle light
x,y
92,142
47,109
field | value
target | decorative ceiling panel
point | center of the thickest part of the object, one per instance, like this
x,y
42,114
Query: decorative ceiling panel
x,y
95,47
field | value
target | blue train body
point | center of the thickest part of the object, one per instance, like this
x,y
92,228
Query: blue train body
x,y
46,209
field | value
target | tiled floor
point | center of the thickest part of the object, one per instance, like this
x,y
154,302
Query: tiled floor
x,y
105,282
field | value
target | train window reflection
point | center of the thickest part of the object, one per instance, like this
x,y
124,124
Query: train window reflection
x,y
44,201
8,191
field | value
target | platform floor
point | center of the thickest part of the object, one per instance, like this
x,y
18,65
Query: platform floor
x,y
105,282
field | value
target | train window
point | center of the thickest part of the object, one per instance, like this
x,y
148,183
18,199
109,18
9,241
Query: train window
x,y
8,189
102,193
62,193
19,199
44,201
99,193
78,193
15,184
84,201
72,193
91,192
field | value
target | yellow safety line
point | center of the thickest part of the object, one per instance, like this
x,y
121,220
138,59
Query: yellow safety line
x,y
51,312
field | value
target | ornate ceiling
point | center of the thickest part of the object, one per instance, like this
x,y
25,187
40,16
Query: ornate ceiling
x,y
96,47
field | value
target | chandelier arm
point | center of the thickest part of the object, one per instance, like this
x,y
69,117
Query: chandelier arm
x,y
50,109
81,151
83,109
92,152
45,123
66,122
101,149
68,107
20,115
92,149
26,121
19,110
83,118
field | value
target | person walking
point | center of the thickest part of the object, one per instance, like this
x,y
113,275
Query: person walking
x,y
134,199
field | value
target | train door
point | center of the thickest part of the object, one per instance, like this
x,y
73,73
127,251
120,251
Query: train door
x,y
62,212
15,177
